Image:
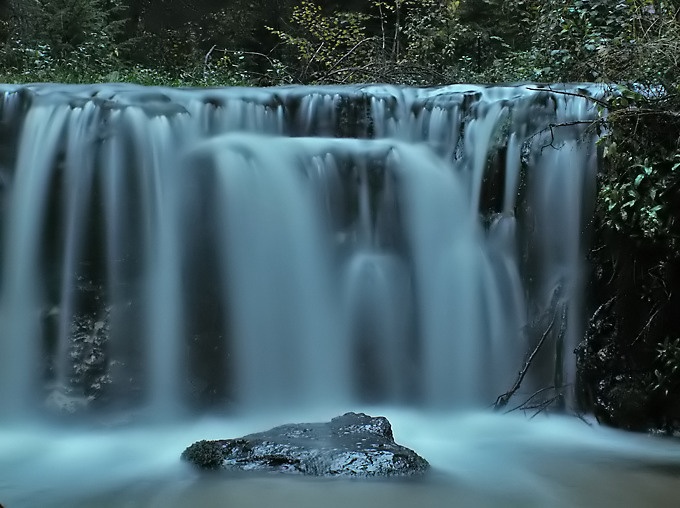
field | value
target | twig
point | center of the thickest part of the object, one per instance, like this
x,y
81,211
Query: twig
x,y
334,66
255,53
382,25
551,126
542,407
205,61
572,94
602,308
503,400
349,69
304,73
582,418
646,327
397,29
523,404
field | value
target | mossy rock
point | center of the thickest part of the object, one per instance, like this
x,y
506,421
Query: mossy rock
x,y
204,454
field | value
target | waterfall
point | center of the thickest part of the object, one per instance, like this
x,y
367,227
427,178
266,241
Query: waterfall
x,y
233,249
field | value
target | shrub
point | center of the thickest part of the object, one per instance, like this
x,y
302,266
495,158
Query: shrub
x,y
76,36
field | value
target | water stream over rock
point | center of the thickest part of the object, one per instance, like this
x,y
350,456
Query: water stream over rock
x,y
249,247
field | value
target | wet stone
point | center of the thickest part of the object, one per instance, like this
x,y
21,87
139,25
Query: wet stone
x,y
351,445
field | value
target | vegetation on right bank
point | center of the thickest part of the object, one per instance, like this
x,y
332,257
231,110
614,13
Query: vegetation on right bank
x,y
630,359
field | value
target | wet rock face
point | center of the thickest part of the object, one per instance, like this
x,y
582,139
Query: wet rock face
x,y
86,377
351,445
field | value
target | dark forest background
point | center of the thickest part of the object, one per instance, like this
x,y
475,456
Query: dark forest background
x,y
264,42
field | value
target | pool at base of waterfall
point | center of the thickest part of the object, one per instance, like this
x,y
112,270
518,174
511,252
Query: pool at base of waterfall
x,y
479,459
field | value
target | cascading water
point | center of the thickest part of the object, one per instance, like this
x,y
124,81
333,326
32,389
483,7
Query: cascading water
x,y
199,264
252,248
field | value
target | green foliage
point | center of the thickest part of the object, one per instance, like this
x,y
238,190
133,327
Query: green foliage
x,y
634,197
403,41
637,256
490,33
398,41
431,33
327,46
642,164
411,41
605,40
667,374
75,36
85,41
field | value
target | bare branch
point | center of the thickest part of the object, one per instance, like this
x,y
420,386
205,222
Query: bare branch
x,y
206,60
339,61
572,94
255,53
602,308
543,406
552,126
503,400
523,405
304,73
646,327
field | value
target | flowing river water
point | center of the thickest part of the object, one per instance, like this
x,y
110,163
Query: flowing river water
x,y
478,459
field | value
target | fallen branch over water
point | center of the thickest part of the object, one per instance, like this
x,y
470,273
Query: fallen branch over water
x,y
571,94
525,405
503,400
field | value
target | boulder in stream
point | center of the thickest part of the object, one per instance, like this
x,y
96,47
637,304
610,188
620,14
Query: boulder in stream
x,y
351,445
